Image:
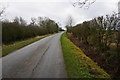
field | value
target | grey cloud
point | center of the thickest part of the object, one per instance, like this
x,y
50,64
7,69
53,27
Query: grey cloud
x,y
59,10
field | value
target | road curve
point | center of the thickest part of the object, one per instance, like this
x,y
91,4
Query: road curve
x,y
41,59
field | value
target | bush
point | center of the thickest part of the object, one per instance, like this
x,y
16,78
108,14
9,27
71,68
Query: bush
x,y
99,34
16,31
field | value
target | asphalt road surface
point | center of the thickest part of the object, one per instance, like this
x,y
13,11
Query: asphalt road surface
x,y
41,59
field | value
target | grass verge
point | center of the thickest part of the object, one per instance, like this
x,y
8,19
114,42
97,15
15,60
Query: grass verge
x,y
78,65
6,49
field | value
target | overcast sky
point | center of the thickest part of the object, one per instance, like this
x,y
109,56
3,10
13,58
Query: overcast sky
x,y
57,10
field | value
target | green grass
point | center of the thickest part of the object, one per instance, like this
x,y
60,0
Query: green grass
x,y
6,49
78,65
60,31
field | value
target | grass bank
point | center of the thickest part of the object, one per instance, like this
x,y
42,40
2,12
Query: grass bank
x,y
78,65
6,49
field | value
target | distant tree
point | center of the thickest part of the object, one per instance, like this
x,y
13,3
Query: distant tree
x,y
42,21
23,22
16,20
20,21
60,29
70,21
47,24
33,20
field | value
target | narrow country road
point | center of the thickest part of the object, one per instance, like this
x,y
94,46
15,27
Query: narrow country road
x,y
42,59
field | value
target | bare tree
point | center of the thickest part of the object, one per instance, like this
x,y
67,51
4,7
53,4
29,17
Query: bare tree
x,y
70,21
83,3
33,21
2,10
22,21
16,20
41,22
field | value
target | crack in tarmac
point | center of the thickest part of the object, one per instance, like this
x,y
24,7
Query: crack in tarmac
x,y
39,60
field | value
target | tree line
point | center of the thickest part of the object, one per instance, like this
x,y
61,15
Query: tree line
x,y
101,34
18,29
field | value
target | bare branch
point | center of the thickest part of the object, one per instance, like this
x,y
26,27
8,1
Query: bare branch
x,y
83,3
2,11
